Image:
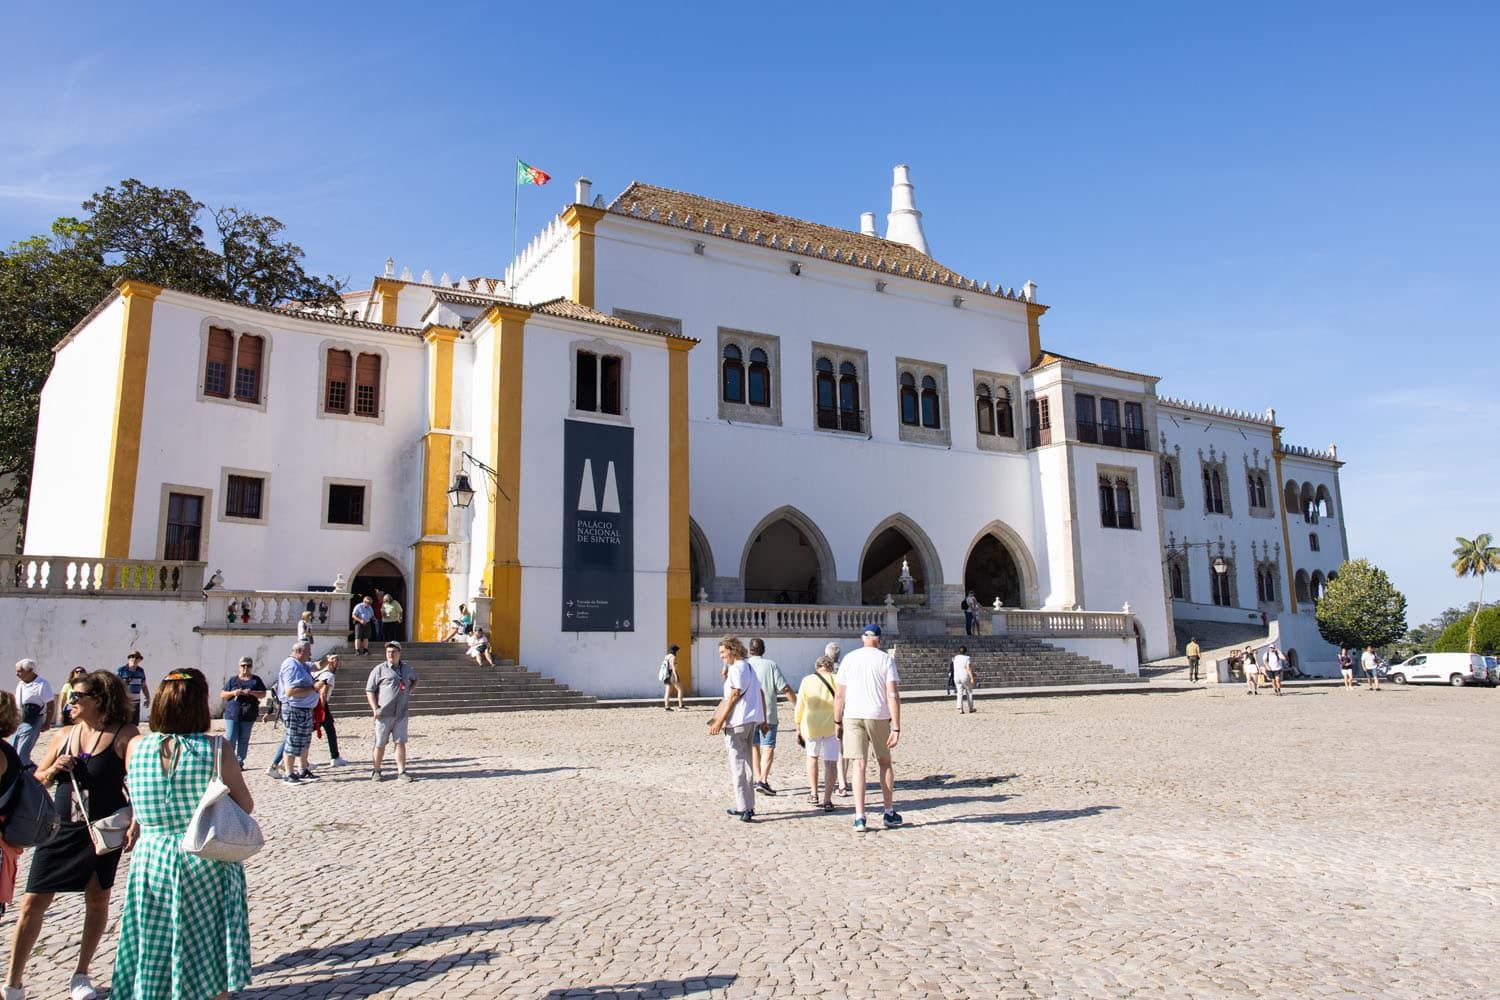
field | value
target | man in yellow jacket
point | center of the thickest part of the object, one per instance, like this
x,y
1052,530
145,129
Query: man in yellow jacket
x,y
1193,652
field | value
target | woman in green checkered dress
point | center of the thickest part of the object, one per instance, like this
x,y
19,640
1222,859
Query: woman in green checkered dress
x,y
185,927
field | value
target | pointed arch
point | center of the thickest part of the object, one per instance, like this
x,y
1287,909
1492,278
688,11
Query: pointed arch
x,y
700,558
1016,546
824,581
931,570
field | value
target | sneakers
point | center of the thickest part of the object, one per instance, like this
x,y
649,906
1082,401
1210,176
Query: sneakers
x,y
892,819
403,776
764,787
13,992
274,772
293,779
81,988
859,824
376,776
306,774
338,762
747,816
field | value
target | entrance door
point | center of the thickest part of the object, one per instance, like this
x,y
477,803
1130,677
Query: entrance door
x,y
381,575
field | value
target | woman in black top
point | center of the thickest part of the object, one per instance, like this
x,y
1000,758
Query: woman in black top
x,y
91,752
10,773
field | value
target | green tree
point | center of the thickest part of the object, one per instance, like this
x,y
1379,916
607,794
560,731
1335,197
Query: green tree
x,y
1470,633
1475,557
1360,607
49,283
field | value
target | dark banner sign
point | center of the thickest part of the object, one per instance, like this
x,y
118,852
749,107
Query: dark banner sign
x,y
598,558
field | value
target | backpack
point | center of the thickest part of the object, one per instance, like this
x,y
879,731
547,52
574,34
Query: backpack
x,y
28,817
665,673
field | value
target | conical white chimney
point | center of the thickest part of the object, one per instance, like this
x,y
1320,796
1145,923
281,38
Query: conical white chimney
x,y
904,223
867,224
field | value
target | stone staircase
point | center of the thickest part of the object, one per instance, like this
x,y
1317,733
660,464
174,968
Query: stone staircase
x,y
999,661
448,683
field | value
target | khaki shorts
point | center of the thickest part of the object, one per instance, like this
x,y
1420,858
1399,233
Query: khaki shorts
x,y
865,736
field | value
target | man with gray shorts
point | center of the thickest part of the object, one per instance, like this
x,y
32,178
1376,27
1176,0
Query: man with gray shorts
x,y
867,719
388,691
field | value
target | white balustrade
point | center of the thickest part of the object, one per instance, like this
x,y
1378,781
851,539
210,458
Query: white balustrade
x,y
1014,621
78,576
276,610
765,620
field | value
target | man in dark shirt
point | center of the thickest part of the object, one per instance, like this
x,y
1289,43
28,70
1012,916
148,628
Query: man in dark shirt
x,y
133,676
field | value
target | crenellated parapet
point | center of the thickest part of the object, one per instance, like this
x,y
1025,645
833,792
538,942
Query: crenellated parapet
x,y
1268,418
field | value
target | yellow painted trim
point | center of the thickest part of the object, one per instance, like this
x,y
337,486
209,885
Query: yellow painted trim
x,y
503,568
679,572
428,611
1034,313
582,220
389,292
437,464
125,432
1286,532
440,340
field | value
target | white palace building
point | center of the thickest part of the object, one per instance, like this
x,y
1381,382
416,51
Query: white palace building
x,y
678,417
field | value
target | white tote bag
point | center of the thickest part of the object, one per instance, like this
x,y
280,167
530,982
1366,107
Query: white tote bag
x,y
220,829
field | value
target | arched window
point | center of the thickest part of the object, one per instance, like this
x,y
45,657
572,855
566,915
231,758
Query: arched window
x,y
849,416
1213,492
1178,592
1312,540
1223,595
760,378
827,390
1005,424
931,413
984,409
1168,479
1124,509
1108,515
908,392
734,375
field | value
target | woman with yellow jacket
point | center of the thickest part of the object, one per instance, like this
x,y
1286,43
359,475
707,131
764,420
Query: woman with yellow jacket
x,y
815,730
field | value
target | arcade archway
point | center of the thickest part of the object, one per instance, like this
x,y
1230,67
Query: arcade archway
x,y
787,561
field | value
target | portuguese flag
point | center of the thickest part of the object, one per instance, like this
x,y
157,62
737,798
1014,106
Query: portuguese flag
x,y
527,174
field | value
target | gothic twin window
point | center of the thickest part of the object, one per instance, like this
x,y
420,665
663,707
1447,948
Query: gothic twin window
x,y
1116,506
752,387
1256,483
598,383
920,406
1213,491
992,410
232,367
838,395
1222,585
351,384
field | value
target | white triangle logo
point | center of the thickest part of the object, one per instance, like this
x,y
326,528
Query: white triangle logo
x,y
586,488
611,492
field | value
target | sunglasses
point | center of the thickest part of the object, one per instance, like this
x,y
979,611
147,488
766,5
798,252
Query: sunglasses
x,y
77,695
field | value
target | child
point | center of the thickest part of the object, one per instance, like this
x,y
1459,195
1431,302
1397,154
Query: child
x,y
479,648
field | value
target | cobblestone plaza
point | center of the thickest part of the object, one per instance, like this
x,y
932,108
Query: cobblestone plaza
x,y
1204,844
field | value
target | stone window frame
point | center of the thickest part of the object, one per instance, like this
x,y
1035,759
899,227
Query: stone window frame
x,y
369,508
167,489
1273,568
1229,576
748,341
860,359
236,330
355,349
1184,564
919,433
1115,474
1173,462
1216,463
1313,545
265,496
1267,482
599,347
1012,384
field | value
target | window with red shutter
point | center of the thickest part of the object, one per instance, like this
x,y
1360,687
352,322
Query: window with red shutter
x,y
216,368
247,368
340,374
367,386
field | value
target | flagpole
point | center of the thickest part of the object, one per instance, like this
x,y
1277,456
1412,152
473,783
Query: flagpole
x,y
515,203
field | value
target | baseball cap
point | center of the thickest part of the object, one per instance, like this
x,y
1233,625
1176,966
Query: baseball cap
x,y
872,629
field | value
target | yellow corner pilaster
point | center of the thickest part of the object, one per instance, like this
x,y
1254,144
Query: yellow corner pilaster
x,y
125,432
1034,313
679,573
1286,531
389,291
582,220
503,568
429,609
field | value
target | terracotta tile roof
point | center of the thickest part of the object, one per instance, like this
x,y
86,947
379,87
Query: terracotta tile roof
x,y
1052,357
568,309
809,239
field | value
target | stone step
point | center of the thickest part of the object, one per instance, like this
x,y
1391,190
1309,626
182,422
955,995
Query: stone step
x,y
450,683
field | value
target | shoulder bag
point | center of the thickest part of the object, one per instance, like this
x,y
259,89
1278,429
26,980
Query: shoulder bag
x,y
220,830
28,816
107,832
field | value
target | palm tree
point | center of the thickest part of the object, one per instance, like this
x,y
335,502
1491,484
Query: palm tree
x,y
1475,557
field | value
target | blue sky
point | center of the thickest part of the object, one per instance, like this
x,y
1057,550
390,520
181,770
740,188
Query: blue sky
x,y
1281,205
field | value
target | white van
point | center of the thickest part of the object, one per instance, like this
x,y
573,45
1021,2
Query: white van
x,y
1457,669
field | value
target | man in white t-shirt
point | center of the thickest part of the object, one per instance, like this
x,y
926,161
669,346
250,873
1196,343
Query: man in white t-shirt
x,y
742,710
867,719
963,676
1371,663
35,700
774,685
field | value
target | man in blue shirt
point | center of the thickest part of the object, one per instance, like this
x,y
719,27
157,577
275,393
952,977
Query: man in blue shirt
x,y
363,617
295,686
133,676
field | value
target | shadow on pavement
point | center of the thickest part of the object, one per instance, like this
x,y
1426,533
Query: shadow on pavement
x,y
645,990
369,980
489,772
948,781
351,951
1018,819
